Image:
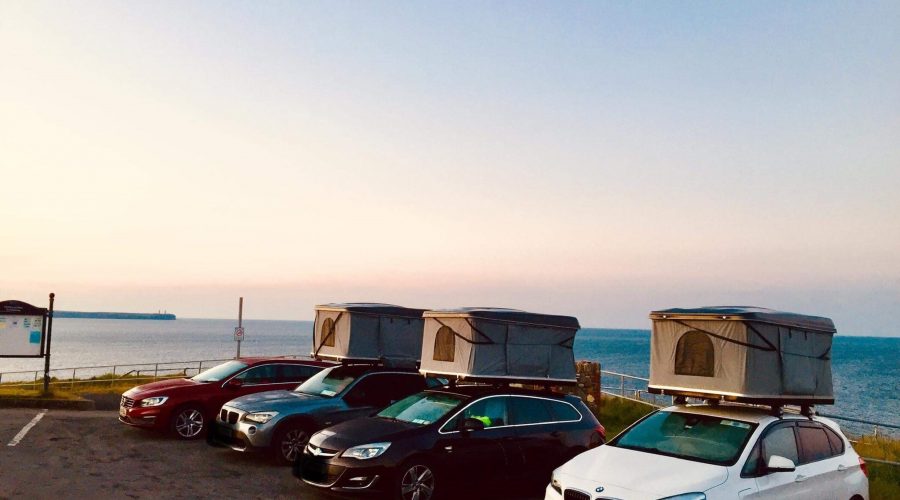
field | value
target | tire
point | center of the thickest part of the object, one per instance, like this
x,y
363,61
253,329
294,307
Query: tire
x,y
188,422
290,440
415,480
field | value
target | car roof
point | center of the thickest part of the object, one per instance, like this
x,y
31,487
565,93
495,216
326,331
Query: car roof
x,y
479,390
255,360
754,414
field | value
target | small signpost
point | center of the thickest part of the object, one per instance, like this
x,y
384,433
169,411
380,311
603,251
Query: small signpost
x,y
25,332
239,330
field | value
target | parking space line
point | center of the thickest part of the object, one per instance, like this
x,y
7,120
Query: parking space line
x,y
37,418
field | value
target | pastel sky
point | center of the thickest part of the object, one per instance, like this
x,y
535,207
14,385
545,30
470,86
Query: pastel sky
x,y
586,158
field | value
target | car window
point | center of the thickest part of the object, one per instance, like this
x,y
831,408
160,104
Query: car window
x,y
702,438
331,381
219,372
780,441
529,411
751,467
837,444
491,411
263,374
564,412
297,373
382,389
814,443
397,387
422,408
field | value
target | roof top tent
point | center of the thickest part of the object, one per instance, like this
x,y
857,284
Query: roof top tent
x,y
368,332
744,354
492,344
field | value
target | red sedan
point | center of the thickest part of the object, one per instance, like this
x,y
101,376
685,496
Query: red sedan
x,y
186,406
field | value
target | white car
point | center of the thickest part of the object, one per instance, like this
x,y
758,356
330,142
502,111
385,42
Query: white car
x,y
697,452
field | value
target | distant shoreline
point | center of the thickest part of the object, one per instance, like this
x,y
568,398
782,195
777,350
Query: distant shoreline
x,y
113,315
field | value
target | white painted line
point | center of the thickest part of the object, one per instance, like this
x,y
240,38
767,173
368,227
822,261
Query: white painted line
x,y
37,418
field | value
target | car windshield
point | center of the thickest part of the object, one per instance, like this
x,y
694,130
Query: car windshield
x,y
701,438
219,372
423,408
330,382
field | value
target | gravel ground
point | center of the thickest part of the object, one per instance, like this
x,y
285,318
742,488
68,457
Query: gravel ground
x,y
89,454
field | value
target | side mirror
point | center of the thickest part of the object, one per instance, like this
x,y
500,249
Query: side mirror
x,y
234,383
780,464
471,424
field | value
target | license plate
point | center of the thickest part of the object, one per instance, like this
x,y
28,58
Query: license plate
x,y
123,411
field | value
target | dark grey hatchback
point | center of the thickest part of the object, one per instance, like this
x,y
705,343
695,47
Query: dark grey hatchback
x,y
474,436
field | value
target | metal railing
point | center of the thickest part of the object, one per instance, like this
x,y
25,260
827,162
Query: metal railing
x,y
111,374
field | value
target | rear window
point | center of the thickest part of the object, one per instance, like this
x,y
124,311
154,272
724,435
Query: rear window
x,y
701,438
813,443
529,411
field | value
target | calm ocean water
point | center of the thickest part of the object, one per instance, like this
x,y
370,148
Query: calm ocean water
x,y
866,369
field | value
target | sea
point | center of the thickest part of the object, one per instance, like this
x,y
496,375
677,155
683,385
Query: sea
x,y
866,370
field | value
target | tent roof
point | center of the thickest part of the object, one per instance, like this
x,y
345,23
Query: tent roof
x,y
748,313
373,308
506,315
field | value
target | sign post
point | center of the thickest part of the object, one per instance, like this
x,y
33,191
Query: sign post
x,y
239,330
25,332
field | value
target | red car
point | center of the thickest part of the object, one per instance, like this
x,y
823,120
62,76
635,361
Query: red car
x,y
186,406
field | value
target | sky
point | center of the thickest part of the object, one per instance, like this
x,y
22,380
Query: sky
x,y
596,159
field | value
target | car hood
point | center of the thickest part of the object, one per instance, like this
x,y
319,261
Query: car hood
x,y
361,431
630,473
276,401
162,388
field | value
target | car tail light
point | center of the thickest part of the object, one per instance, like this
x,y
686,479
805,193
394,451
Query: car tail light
x,y
600,436
863,466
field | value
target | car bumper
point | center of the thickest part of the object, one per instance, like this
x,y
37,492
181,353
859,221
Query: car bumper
x,y
150,418
343,475
228,430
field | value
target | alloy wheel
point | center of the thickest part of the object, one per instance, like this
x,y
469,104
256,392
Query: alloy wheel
x,y
292,444
189,423
417,483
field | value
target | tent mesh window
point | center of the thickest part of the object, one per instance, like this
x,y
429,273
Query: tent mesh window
x,y
694,355
327,333
444,344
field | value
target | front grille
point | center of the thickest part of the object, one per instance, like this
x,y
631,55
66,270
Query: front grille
x,y
320,471
320,452
228,416
127,402
575,495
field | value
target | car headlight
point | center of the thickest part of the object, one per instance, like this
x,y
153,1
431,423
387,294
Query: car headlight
x,y
260,417
158,400
555,484
687,496
366,451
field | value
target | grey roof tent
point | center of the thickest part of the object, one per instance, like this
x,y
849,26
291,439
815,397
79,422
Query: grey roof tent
x,y
368,332
746,354
499,344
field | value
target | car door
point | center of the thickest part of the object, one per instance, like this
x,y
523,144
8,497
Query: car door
x,y
823,468
539,448
781,440
476,457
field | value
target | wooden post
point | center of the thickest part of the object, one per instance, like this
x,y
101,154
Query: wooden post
x,y
49,321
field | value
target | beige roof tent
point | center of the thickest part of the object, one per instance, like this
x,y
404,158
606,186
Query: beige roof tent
x,y
499,344
745,354
367,332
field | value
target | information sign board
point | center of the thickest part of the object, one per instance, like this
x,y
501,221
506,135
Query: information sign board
x,y
21,335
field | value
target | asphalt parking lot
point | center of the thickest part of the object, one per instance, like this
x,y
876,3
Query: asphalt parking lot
x,y
89,454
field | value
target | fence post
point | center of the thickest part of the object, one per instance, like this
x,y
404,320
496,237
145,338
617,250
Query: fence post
x,y
112,381
622,379
156,371
73,379
35,380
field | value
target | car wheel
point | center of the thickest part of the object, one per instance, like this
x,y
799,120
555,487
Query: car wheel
x,y
290,442
415,481
188,422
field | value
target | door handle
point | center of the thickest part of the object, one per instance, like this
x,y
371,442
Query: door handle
x,y
448,449
800,478
555,434
842,468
